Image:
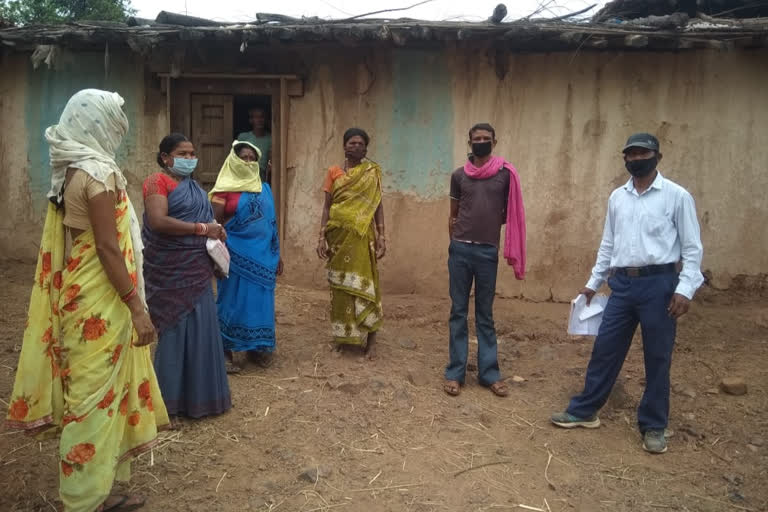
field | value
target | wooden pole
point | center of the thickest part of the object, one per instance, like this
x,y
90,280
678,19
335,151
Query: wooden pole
x,y
283,156
168,102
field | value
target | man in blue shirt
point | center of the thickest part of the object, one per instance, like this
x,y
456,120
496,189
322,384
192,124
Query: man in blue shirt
x,y
650,229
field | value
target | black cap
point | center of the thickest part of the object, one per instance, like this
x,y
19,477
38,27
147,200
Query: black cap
x,y
642,140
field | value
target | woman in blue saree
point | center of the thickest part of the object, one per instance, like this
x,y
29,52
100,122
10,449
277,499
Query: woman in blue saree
x,y
178,220
246,300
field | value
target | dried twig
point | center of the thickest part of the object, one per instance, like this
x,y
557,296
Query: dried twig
x,y
617,477
714,373
572,14
262,379
46,501
713,452
386,488
549,461
326,507
722,502
221,480
494,463
374,478
387,10
20,448
150,474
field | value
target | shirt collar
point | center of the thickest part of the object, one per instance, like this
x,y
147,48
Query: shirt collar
x,y
657,183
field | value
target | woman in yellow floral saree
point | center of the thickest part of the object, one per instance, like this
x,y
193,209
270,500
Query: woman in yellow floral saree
x,y
85,371
352,239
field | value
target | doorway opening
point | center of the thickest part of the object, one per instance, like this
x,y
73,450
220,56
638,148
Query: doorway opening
x,y
242,106
247,111
212,110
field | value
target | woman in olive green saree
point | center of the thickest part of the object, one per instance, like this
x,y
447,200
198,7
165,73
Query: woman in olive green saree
x,y
352,239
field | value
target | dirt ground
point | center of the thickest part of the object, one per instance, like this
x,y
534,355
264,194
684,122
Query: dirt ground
x,y
382,436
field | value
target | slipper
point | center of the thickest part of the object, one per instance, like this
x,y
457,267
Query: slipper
x,y
452,387
265,359
122,507
499,388
231,367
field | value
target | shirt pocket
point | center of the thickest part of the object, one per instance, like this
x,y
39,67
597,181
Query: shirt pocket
x,y
656,225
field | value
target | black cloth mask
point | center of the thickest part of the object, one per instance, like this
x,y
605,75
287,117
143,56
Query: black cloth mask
x,y
641,168
482,149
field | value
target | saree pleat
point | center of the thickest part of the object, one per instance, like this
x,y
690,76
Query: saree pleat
x,y
352,268
79,374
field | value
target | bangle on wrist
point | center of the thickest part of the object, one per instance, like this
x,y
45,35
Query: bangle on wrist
x,y
201,229
131,294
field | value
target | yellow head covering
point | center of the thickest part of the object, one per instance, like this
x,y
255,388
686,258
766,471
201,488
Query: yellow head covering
x,y
237,175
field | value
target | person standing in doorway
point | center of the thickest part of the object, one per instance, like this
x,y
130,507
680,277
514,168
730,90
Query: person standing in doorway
x,y
262,139
650,227
485,194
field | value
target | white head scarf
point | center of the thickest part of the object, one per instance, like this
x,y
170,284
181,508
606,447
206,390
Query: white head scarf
x,y
88,134
90,130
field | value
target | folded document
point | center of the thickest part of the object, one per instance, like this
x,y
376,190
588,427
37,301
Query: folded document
x,y
585,320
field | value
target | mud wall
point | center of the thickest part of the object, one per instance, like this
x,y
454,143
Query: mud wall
x,y
31,100
560,118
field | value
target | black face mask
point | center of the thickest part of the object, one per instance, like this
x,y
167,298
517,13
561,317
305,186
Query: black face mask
x,y
641,168
481,149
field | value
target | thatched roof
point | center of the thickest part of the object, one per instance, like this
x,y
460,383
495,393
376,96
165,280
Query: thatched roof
x,y
667,32
633,9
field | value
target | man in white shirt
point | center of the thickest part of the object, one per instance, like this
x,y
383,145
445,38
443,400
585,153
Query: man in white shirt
x,y
650,229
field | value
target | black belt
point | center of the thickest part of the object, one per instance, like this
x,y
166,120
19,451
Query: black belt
x,y
649,270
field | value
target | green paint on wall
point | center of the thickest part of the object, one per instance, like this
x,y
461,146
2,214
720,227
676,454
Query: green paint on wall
x,y
419,157
49,90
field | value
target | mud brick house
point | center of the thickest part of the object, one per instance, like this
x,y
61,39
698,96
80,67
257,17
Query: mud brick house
x,y
562,94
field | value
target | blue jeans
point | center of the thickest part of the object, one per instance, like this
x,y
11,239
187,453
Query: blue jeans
x,y
468,262
633,300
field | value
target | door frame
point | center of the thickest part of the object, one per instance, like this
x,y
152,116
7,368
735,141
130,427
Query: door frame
x,y
179,88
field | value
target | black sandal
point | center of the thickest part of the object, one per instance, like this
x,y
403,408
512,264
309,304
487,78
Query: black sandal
x,y
121,506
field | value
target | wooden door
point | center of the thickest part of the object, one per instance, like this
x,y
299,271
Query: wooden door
x,y
276,181
211,133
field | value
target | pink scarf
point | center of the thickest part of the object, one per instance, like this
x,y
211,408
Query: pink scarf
x,y
514,236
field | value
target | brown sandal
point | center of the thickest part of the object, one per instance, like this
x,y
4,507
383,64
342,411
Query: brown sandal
x,y
499,388
452,387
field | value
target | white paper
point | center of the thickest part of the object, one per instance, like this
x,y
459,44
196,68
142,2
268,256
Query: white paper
x,y
219,254
585,320
594,308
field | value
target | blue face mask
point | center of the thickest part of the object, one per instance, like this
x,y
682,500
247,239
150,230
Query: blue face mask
x,y
183,166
